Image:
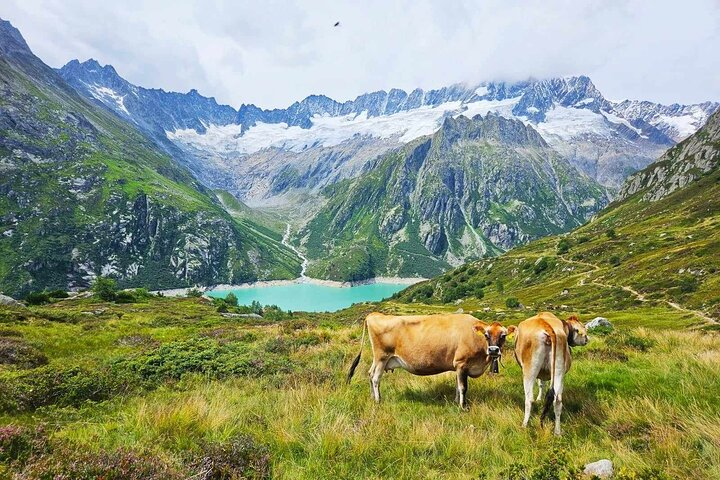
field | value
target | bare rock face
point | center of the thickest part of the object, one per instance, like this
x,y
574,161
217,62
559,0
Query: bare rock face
x,y
598,322
9,301
679,166
601,468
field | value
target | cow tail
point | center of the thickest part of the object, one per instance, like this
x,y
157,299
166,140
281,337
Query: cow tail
x,y
356,362
550,395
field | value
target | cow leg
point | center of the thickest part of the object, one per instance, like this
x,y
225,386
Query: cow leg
x,y
540,390
528,383
462,382
370,378
558,402
376,376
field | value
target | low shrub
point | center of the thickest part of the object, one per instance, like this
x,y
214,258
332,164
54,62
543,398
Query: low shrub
x,y
19,443
512,302
231,299
202,356
563,246
541,265
66,463
688,283
125,296
296,324
58,294
274,313
194,293
105,288
242,457
555,465
37,298
61,386
20,354
636,342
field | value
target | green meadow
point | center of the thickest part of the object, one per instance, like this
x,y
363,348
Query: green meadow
x,y
170,388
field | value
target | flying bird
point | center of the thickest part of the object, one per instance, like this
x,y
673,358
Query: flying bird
x,y
337,24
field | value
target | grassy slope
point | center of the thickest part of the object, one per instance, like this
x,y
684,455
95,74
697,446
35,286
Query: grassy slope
x,y
665,251
656,407
117,163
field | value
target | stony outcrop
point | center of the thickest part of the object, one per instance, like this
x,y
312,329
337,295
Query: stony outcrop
x,y
679,166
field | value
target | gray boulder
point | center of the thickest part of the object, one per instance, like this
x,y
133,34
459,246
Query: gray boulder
x,y
599,322
9,301
601,468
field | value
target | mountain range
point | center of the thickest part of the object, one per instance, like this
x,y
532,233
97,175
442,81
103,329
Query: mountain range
x,y
324,140
658,245
474,188
168,189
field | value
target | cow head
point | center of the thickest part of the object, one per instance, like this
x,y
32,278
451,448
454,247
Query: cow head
x,y
576,332
495,334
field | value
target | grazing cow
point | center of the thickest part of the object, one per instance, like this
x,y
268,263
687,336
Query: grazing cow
x,y
542,348
431,344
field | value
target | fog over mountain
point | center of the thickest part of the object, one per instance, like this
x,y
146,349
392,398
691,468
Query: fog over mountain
x,y
273,53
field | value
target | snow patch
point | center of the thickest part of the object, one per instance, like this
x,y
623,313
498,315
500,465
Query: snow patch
x,y
615,119
568,122
106,95
684,125
330,131
481,91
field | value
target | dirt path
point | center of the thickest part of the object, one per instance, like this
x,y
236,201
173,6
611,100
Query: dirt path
x,y
639,296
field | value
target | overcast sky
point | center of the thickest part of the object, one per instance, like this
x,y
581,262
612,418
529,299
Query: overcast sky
x,y
272,53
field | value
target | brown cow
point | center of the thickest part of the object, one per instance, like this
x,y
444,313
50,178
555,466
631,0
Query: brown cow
x,y
542,348
431,344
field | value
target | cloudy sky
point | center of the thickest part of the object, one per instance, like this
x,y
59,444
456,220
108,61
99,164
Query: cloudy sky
x,y
272,53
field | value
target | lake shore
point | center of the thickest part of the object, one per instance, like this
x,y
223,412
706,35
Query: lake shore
x,y
179,292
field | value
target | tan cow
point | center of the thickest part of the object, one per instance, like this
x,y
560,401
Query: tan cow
x,y
431,344
542,348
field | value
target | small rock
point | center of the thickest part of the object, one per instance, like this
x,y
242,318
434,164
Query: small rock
x,y
241,315
486,309
601,468
564,307
459,310
565,292
9,301
598,322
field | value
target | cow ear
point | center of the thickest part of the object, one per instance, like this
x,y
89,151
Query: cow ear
x,y
566,327
479,327
511,329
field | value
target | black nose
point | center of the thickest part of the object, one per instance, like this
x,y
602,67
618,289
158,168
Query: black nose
x,y
493,349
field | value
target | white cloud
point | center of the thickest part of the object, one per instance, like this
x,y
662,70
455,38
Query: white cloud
x,y
273,53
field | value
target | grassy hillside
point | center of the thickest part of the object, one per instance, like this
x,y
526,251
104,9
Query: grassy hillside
x,y
168,388
635,253
84,193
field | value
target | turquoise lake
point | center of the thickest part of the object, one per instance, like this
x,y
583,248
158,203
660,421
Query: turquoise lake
x,y
309,297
